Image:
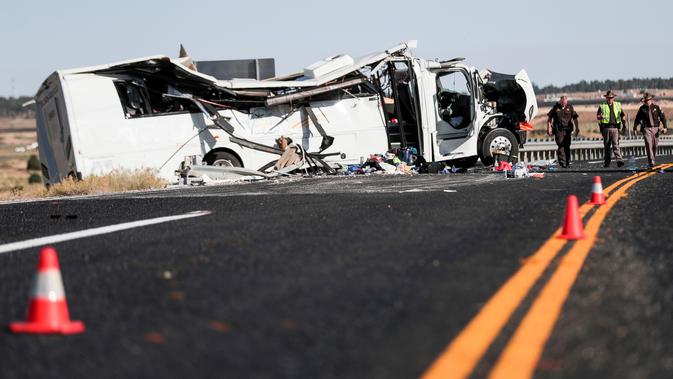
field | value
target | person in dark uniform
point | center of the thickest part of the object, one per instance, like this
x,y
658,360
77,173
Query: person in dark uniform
x,y
561,121
650,118
611,119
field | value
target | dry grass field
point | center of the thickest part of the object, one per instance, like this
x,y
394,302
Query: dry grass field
x,y
13,165
118,181
14,173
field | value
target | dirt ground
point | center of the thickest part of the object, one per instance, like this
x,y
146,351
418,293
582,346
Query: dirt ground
x,y
13,164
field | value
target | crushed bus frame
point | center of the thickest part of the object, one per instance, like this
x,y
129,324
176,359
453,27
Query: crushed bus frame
x,y
154,112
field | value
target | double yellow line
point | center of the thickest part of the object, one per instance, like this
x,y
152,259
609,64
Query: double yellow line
x,y
522,352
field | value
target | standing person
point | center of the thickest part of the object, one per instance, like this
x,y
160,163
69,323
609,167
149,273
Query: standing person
x,y
560,120
611,120
650,117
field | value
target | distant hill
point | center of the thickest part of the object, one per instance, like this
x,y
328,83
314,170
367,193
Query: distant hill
x,y
603,85
11,107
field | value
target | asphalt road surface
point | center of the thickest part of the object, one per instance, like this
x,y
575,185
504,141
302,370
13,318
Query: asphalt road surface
x,y
353,277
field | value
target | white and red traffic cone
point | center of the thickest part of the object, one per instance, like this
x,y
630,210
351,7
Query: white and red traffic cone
x,y
597,197
47,309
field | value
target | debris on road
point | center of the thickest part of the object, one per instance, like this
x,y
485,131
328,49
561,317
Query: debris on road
x,y
520,170
503,166
154,337
289,156
454,170
631,163
543,163
394,161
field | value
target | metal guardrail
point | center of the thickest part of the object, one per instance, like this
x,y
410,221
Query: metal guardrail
x,y
590,148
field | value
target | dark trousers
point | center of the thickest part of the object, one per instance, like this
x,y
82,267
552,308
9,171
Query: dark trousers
x,y
651,137
563,138
611,142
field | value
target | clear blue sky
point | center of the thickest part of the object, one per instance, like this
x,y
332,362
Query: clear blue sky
x,y
556,42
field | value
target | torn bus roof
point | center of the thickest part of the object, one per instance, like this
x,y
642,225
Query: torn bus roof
x,y
303,81
148,64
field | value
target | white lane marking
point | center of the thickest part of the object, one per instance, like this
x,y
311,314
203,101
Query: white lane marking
x,y
412,190
49,240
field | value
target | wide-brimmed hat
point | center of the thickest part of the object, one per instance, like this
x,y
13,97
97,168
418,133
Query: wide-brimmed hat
x,y
647,96
610,94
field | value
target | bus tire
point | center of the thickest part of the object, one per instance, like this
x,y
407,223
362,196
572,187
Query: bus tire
x,y
222,158
499,142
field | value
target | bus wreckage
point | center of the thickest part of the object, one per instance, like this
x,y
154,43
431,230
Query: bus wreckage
x,y
165,115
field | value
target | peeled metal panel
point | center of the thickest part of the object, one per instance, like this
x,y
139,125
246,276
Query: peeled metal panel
x,y
366,60
57,136
328,65
259,69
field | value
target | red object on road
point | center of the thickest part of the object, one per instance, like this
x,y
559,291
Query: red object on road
x,y
504,166
572,226
597,197
47,309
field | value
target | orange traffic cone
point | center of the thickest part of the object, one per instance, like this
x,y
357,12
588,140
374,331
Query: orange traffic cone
x,y
572,226
47,310
597,197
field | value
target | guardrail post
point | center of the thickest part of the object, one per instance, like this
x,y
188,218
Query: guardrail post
x,y
590,148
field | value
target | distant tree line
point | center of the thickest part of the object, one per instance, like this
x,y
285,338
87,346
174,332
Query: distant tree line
x,y
12,107
603,85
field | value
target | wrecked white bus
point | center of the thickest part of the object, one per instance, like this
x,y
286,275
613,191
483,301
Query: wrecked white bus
x,y
153,112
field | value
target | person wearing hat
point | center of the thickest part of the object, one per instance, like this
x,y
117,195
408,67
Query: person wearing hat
x,y
611,119
560,121
650,117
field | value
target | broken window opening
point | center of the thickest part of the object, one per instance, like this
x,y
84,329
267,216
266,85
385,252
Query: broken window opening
x,y
454,98
356,91
397,86
134,98
145,98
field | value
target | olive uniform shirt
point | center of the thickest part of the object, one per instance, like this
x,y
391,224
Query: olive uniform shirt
x,y
563,118
650,116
